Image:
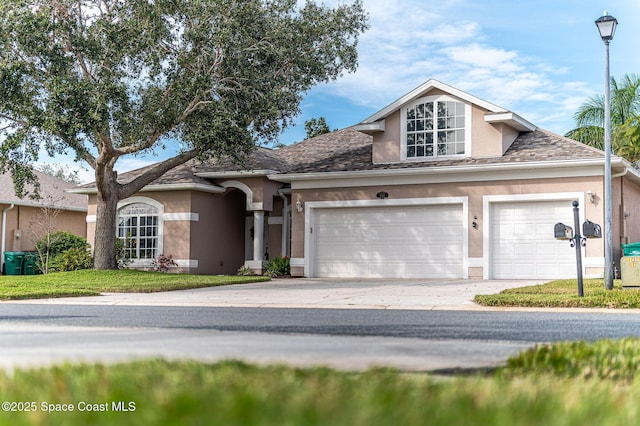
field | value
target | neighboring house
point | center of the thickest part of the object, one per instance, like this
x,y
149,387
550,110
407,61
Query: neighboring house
x,y
437,184
25,221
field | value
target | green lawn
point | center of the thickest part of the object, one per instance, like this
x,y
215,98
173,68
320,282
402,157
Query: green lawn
x,y
564,293
539,387
570,383
92,283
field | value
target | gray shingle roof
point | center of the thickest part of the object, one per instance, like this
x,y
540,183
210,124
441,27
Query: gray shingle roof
x,y
52,192
350,150
260,159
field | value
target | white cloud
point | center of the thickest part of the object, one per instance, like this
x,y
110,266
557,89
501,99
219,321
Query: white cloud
x,y
409,43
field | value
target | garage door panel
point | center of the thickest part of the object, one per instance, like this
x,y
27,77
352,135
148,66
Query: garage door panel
x,y
522,241
402,242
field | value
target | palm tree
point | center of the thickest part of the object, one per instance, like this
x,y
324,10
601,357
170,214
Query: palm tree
x,y
625,109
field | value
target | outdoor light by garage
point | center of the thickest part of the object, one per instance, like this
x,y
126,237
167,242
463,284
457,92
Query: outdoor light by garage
x,y
607,26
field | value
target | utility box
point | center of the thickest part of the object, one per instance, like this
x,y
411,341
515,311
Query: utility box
x,y
630,271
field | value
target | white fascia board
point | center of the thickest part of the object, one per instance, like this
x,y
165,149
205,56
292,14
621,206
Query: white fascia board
x,y
511,119
378,126
431,84
466,173
162,187
39,205
236,174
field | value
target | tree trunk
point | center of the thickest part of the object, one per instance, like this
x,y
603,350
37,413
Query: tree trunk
x,y
105,238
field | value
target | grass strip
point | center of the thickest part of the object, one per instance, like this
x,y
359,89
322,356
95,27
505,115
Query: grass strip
x,y
564,293
617,360
233,393
92,283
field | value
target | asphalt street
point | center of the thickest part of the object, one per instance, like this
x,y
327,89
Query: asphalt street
x,y
414,325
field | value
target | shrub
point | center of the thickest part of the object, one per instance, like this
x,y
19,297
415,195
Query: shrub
x,y
245,271
162,263
51,247
71,260
61,241
278,267
122,254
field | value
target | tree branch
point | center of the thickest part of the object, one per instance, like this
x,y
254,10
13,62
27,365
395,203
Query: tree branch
x,y
14,120
130,188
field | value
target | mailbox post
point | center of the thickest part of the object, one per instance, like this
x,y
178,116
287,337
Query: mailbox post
x,y
589,230
578,242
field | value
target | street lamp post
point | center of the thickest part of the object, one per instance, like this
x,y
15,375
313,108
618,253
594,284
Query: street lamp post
x,y
607,27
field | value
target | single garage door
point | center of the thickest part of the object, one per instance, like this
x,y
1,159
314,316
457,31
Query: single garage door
x,y
522,241
388,242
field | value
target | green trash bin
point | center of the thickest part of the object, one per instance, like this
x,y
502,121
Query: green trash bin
x,y
13,261
632,249
29,263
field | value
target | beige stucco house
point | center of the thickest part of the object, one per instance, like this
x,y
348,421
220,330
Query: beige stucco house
x,y
438,184
23,220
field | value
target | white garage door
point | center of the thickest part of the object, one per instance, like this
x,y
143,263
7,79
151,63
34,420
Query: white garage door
x,y
522,241
388,242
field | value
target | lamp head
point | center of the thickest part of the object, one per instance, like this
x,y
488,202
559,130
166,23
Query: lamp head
x,y
607,26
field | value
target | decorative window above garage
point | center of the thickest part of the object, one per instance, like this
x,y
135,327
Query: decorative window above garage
x,y
436,127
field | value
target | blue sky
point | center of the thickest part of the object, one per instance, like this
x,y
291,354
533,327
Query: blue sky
x,y
540,59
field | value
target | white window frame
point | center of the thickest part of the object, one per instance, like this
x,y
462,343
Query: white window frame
x,y
434,100
160,226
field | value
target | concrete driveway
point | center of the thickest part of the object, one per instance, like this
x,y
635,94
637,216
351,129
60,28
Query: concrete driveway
x,y
317,293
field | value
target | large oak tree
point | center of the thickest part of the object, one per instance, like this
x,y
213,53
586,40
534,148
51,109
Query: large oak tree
x,y
112,78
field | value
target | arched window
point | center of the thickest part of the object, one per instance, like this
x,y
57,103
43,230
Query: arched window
x,y
139,230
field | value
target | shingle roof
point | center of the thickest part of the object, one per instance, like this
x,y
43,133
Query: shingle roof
x,y
260,159
52,192
350,150
182,174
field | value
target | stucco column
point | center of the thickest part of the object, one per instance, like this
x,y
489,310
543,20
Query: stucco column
x,y
258,235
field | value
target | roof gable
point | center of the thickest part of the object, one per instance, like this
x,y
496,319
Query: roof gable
x,y
422,90
496,114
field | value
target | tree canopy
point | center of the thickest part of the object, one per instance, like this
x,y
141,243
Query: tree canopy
x,y
316,127
107,79
625,110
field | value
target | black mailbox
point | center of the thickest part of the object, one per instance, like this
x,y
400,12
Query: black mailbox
x,y
563,232
591,230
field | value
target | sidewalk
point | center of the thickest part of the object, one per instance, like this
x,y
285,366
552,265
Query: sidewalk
x,y
425,294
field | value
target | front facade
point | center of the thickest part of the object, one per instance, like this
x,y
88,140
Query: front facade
x,y
438,184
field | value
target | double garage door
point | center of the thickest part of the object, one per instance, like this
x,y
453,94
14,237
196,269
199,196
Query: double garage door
x,y
427,241
389,242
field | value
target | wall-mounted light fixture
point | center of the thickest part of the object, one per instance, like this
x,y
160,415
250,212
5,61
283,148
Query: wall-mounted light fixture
x,y
591,197
627,213
382,195
299,206
474,224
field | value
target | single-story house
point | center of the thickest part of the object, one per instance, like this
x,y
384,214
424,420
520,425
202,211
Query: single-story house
x,y
24,221
437,184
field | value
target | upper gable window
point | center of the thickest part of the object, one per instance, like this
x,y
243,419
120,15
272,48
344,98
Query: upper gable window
x,y
436,127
